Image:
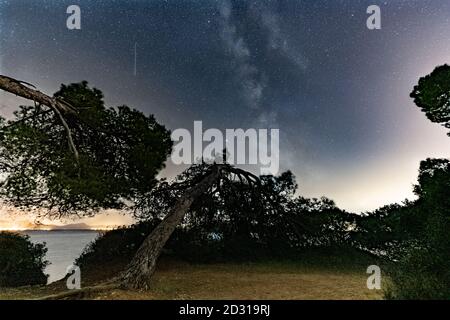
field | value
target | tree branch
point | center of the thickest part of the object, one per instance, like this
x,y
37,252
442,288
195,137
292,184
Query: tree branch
x,y
59,106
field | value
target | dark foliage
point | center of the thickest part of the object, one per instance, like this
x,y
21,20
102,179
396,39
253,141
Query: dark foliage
x,y
121,151
424,272
432,95
21,262
115,246
233,222
239,221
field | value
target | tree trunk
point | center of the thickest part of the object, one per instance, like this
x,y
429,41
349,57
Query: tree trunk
x,y
143,264
59,106
16,87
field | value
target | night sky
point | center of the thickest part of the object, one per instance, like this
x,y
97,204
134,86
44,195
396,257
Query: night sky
x,y
338,92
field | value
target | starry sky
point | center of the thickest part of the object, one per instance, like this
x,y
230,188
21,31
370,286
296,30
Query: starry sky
x,y
338,92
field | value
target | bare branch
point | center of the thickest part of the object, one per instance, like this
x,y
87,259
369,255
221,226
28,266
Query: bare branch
x,y
16,87
59,106
69,133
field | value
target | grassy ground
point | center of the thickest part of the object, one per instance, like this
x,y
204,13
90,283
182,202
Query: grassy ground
x,y
268,280
253,281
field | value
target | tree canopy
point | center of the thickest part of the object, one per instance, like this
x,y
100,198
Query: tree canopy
x,y
236,220
422,272
121,150
432,95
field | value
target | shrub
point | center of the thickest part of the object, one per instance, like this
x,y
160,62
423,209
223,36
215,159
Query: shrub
x,y
21,262
114,249
115,246
424,272
421,275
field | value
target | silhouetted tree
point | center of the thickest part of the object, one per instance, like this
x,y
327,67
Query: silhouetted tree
x,y
423,272
21,262
432,95
119,153
77,156
69,154
209,179
390,230
238,221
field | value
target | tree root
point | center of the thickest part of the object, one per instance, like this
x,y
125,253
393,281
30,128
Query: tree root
x,y
82,292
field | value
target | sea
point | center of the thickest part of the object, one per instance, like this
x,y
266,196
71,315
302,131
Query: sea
x,y
64,246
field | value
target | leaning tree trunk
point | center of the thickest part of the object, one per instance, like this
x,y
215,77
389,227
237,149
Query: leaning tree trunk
x,y
141,268
59,106
18,88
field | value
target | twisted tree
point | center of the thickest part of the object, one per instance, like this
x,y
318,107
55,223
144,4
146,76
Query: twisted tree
x,y
111,156
142,266
112,159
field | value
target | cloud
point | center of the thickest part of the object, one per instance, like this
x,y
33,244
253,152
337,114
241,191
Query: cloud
x,y
252,81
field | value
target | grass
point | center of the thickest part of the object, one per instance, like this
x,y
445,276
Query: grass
x,y
334,278
253,281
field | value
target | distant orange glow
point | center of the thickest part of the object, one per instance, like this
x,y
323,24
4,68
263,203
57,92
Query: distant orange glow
x,y
11,220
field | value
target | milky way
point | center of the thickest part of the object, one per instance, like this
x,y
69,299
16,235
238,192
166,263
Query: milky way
x,y
338,92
